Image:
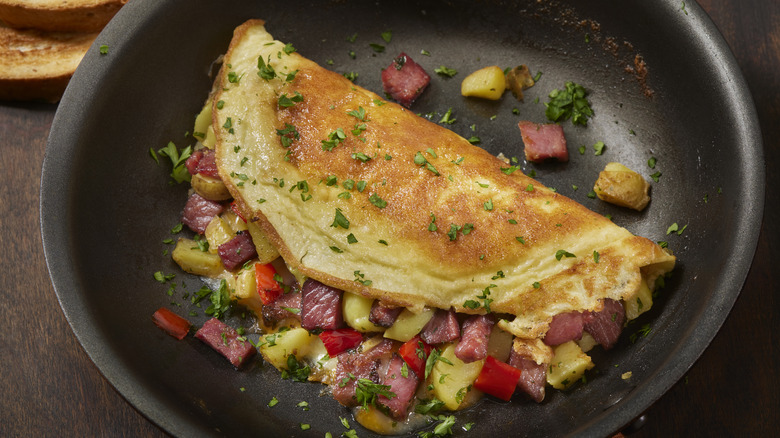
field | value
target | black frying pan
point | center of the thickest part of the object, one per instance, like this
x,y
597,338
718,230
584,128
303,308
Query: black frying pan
x,y
106,205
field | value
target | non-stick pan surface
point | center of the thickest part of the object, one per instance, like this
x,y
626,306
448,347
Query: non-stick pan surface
x,y
662,84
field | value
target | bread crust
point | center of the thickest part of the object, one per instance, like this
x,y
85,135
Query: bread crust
x,y
59,15
38,65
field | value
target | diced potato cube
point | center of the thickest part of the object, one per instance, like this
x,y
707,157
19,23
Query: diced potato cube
x,y
203,121
266,252
568,365
452,384
210,188
191,259
211,139
487,83
245,290
639,303
275,347
217,233
356,309
619,185
500,344
587,342
408,324
236,223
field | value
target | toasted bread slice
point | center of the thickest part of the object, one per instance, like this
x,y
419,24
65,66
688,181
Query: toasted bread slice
x,y
38,65
59,15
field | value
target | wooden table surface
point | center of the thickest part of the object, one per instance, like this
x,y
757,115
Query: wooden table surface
x,y
49,387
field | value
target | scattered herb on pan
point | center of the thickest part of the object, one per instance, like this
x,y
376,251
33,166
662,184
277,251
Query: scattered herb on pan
x,y
571,102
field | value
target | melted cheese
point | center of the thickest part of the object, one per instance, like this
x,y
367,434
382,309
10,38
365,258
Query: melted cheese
x,y
508,251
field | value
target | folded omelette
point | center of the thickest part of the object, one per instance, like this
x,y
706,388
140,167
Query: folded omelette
x,y
363,195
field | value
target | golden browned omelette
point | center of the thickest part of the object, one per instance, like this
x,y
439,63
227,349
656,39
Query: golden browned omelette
x,y
363,195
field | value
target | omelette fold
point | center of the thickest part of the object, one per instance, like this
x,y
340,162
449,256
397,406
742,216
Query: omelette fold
x,y
363,195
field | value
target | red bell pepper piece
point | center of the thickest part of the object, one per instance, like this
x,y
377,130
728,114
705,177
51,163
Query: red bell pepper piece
x,y
497,379
235,209
172,323
339,340
415,352
267,286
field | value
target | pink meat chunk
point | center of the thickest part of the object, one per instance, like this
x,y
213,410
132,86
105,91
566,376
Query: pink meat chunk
x,y
320,306
353,365
384,315
226,341
282,308
237,251
199,211
443,327
203,161
404,80
543,141
533,376
606,325
404,388
474,342
566,327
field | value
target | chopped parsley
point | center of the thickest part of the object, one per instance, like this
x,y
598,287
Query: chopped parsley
x,y
651,162
286,102
296,371
420,160
377,201
387,35
447,119
334,138
366,392
360,278
179,171
445,71
265,71
360,156
569,103
340,220
359,114
561,253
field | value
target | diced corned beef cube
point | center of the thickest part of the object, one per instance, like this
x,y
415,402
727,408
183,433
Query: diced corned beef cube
x,y
384,315
203,161
226,341
282,308
404,80
443,327
199,211
533,377
566,327
404,388
237,251
354,365
320,306
192,162
474,341
543,141
606,325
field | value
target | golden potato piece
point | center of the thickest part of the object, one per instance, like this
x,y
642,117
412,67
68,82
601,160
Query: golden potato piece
x,y
568,365
518,79
487,83
210,188
619,185
191,259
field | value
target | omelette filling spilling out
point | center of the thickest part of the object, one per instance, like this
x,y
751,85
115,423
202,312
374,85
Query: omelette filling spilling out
x,y
389,258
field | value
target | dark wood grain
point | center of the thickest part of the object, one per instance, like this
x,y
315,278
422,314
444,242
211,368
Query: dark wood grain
x,y
49,387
